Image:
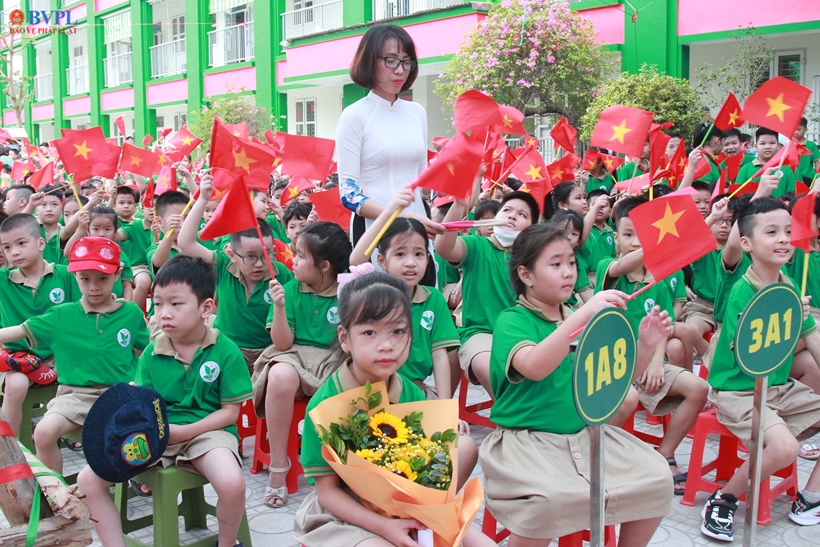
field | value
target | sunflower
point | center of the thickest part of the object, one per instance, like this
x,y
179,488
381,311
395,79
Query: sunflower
x,y
403,469
370,455
389,428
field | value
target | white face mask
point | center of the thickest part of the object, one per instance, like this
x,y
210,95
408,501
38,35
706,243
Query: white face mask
x,y
505,237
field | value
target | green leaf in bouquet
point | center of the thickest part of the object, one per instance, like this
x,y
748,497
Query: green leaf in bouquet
x,y
448,436
374,400
413,421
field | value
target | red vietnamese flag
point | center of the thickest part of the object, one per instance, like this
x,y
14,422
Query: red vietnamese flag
x,y
223,180
233,214
42,177
164,133
529,140
791,160
672,233
803,222
591,157
475,111
148,195
162,161
563,134
529,165
167,181
512,121
185,141
539,189
633,185
242,158
31,150
146,140
79,150
20,169
175,156
563,170
777,105
657,147
238,129
730,115
733,165
623,129
611,162
455,169
138,160
120,123
296,186
329,207
677,164
5,136
309,157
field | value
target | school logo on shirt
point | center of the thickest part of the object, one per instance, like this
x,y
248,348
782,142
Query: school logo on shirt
x,y
609,240
648,305
56,296
673,283
427,319
209,371
124,337
333,315
267,297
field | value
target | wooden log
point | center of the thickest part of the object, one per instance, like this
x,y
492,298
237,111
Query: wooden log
x,y
52,532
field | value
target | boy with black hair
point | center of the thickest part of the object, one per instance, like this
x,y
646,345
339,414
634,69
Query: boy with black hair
x,y
732,146
90,187
663,387
810,163
48,203
201,375
767,146
17,199
295,220
703,197
135,237
764,226
169,207
126,199
672,145
600,243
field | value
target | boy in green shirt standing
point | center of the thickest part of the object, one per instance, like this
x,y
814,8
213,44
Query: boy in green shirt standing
x,y
202,377
767,146
810,163
731,148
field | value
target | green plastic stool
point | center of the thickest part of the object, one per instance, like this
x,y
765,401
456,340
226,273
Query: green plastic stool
x,y
34,406
166,485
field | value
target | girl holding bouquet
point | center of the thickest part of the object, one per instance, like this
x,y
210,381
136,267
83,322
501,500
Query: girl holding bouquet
x,y
374,333
536,463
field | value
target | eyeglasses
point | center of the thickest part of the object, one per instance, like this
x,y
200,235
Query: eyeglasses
x,y
250,260
726,221
394,62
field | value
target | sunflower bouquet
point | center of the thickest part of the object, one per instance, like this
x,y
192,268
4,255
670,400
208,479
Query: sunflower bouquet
x,y
384,455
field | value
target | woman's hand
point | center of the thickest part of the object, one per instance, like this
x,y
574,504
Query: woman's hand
x,y
402,199
433,228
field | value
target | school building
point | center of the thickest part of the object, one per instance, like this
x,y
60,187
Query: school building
x,y
157,62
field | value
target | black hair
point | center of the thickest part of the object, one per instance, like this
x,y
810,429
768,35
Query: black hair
x,y
561,193
331,184
803,122
513,183
658,190
595,193
406,226
296,210
327,241
27,191
526,198
105,212
732,132
705,132
746,214
716,199
21,220
127,190
745,137
484,207
192,271
702,186
256,191
761,131
363,67
281,185
83,199
674,135
625,206
89,186
53,191
567,220
166,199
236,237
528,246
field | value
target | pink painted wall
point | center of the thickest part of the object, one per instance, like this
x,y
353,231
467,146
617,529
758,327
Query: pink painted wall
x,y
80,105
113,100
230,81
281,72
167,92
701,16
10,119
78,12
608,23
100,5
42,112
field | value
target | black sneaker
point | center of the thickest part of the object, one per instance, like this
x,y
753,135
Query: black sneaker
x,y
805,513
718,514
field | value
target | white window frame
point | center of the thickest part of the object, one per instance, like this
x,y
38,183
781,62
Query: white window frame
x,y
180,119
301,128
785,52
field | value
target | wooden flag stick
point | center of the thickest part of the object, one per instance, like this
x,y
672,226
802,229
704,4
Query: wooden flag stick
x,y
76,195
182,214
755,460
379,236
782,159
806,257
811,186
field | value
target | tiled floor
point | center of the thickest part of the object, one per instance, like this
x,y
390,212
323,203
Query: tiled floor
x,y
273,528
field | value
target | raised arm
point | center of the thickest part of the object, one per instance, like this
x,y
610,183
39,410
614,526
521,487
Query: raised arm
x,y
448,246
187,233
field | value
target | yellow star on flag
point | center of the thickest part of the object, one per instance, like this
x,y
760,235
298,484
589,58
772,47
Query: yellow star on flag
x,y
777,107
25,171
292,192
187,141
525,189
451,168
557,174
82,150
135,160
507,121
620,131
733,116
162,159
164,180
682,163
608,163
237,133
534,172
667,223
531,142
243,161
276,162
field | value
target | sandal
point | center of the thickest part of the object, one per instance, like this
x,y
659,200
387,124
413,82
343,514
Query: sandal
x,y
277,497
142,490
679,479
809,451
73,445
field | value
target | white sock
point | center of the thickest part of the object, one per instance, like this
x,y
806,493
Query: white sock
x,y
811,497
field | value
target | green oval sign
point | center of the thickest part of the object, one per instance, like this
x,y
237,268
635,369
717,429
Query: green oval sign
x,y
768,329
604,366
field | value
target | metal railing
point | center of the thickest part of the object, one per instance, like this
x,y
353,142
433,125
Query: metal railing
x,y
77,79
231,45
388,9
312,20
118,70
168,58
43,87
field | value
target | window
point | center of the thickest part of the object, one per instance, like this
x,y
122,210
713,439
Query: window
x,y
180,120
157,33
77,58
789,64
302,17
160,122
178,28
306,117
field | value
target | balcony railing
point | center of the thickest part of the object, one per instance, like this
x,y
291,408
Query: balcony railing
x,y
312,20
388,9
168,59
118,70
77,79
231,45
43,87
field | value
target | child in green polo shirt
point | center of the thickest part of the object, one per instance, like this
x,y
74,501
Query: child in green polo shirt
x,y
375,334
486,280
732,147
663,387
49,207
572,225
95,342
303,322
600,238
634,168
767,146
169,207
135,238
535,463
792,407
810,163
710,140
29,289
202,377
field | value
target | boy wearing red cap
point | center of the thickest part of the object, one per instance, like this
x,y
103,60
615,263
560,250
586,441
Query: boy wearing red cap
x,y
96,345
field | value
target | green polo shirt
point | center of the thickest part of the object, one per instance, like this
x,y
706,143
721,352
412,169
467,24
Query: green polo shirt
x,y
805,169
581,267
139,239
604,183
216,376
20,300
785,185
726,279
398,391
725,373
629,171
794,269
126,274
278,228
446,273
433,329
486,286
746,159
640,306
600,244
149,255
52,252
544,405
313,317
714,172
91,349
242,313
704,276
677,288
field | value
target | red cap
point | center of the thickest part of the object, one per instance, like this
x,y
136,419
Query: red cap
x,y
442,199
94,253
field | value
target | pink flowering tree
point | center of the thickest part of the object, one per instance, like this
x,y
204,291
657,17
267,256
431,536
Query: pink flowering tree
x,y
536,55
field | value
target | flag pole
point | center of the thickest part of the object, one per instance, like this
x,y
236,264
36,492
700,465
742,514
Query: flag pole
x,y
378,237
261,240
813,180
74,190
806,258
782,160
182,214
702,142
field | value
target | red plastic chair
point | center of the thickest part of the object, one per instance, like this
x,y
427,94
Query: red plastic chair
x,y
469,413
629,426
576,539
246,423
261,450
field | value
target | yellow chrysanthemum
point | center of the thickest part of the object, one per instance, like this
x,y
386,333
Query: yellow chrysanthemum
x,y
370,455
403,469
389,428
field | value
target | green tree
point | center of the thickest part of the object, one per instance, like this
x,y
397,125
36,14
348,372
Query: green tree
x,y
667,97
536,55
232,109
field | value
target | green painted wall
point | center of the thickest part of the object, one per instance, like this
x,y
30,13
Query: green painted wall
x,y
196,46
267,37
352,93
145,119
96,74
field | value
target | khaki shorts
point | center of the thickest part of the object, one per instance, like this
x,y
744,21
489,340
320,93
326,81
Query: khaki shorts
x,y
537,484
792,404
74,402
140,269
312,364
699,309
181,454
477,343
251,355
660,403
315,526
710,351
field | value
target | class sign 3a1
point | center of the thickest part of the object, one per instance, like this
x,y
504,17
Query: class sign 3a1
x,y
41,22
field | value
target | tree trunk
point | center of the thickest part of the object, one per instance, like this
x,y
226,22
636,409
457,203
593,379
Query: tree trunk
x,y
549,107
